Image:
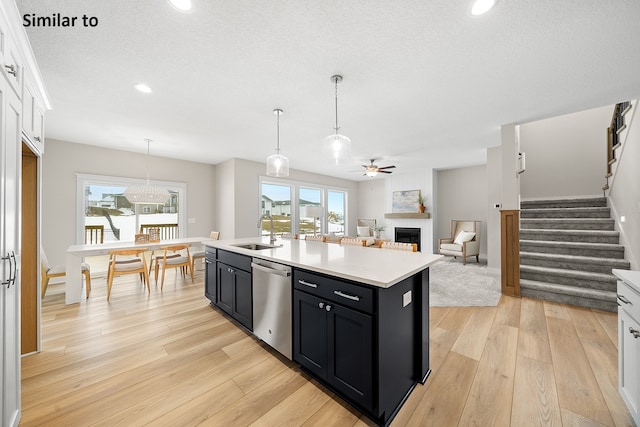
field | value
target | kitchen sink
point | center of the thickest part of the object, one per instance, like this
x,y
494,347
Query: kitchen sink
x,y
254,246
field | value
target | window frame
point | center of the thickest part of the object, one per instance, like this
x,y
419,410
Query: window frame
x,y
295,186
89,179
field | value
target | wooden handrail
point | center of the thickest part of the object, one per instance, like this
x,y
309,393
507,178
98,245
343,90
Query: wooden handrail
x,y
167,231
617,125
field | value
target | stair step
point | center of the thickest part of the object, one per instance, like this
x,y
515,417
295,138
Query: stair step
x,y
564,203
599,250
568,223
571,262
591,298
579,279
582,236
601,212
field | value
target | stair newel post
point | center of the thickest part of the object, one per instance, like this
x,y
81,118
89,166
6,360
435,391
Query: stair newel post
x,y
510,251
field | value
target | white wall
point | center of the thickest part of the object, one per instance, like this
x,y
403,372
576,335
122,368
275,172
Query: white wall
x,y
243,206
372,201
462,194
624,194
566,155
62,160
494,195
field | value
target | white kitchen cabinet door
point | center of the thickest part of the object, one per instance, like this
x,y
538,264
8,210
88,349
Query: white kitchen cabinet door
x,y
629,362
10,173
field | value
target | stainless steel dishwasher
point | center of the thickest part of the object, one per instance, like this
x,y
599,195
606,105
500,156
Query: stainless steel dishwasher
x,y
272,304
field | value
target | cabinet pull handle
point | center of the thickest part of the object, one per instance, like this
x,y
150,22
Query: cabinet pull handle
x,y
13,269
230,270
624,300
343,295
37,138
328,307
321,304
311,285
12,69
634,332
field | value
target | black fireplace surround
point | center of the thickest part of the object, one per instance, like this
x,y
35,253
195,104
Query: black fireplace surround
x,y
407,235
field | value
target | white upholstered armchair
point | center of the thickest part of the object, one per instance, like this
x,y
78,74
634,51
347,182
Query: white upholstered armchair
x,y
464,240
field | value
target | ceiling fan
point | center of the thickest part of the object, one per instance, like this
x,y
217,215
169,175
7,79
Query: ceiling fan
x,y
373,170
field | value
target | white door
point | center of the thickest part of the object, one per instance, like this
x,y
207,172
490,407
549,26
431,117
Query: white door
x,y
10,173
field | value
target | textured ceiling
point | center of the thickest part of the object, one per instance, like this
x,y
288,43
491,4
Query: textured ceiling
x,y
425,82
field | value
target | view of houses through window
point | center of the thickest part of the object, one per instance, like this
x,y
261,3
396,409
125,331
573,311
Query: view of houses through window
x,y
108,216
292,207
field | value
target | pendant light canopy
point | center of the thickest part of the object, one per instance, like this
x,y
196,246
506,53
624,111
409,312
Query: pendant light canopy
x,y
146,193
337,147
277,164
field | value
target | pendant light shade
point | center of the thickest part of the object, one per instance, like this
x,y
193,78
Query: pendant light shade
x,y
146,193
336,147
277,164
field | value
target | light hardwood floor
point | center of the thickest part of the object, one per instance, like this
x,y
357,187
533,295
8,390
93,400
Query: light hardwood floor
x,y
170,359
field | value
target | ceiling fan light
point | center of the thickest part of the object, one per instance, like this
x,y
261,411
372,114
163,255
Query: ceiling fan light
x,y
371,173
337,147
277,165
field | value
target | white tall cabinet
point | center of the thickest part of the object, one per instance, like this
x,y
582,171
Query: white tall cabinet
x,y
629,340
16,64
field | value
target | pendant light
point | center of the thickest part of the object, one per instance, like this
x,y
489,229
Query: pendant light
x,y
146,193
277,164
337,147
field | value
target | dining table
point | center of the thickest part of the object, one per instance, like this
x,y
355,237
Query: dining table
x,y
77,253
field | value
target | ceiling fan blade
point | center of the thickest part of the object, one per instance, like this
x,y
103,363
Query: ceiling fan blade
x,y
384,171
387,167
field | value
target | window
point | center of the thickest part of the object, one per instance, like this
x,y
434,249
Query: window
x,y
101,203
291,205
276,201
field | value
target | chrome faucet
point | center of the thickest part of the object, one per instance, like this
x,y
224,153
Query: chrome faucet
x,y
272,237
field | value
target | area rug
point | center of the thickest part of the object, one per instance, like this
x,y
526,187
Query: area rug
x,y
452,284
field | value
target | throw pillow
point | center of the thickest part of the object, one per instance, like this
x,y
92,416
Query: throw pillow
x,y
464,236
364,231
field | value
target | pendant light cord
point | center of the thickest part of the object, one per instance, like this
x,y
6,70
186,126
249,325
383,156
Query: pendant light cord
x,y
148,162
337,128
278,140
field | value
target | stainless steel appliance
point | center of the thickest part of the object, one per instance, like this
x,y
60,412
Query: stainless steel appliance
x,y
272,304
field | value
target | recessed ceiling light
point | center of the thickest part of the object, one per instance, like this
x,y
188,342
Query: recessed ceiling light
x,y
183,5
481,7
141,87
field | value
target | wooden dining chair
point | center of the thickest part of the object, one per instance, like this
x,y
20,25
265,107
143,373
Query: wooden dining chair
x,y
182,261
349,241
48,272
316,238
199,254
400,246
127,261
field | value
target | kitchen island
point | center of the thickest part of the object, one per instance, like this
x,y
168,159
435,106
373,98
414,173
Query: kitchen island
x,y
355,318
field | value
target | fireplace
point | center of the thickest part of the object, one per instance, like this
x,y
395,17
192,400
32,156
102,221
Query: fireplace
x,y
407,235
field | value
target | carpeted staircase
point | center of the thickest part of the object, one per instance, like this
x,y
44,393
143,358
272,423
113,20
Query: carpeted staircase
x,y
567,251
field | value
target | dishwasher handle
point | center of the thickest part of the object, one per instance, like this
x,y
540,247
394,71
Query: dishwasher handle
x,y
283,273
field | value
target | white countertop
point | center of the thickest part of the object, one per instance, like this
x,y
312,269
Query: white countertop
x,y
631,278
373,266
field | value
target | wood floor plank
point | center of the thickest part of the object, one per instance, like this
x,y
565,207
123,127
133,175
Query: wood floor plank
x,y
571,419
587,325
490,398
436,314
456,319
578,390
533,340
535,399
603,358
331,414
508,311
296,409
472,340
609,322
559,311
444,402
